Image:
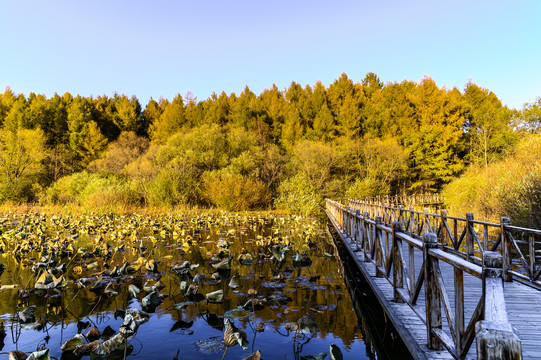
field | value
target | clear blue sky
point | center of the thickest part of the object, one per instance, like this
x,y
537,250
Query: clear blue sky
x,y
161,48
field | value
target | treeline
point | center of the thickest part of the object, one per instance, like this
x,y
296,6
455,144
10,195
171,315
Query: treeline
x,y
287,149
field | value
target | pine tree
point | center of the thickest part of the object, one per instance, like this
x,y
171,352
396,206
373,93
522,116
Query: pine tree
x,y
170,121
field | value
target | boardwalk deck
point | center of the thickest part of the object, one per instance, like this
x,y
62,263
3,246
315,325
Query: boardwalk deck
x,y
523,305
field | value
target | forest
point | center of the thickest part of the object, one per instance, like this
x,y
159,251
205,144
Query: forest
x,y
284,149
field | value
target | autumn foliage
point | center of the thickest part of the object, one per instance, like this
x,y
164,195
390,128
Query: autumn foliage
x,y
282,148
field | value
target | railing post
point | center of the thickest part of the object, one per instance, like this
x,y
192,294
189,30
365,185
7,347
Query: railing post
x,y
366,238
432,294
444,225
506,254
427,227
469,236
377,241
356,228
494,335
346,221
398,275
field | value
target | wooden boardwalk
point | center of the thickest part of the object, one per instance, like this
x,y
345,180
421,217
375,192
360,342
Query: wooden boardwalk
x,y
396,279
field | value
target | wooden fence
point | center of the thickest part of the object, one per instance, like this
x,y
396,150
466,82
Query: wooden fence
x,y
381,232
424,200
468,237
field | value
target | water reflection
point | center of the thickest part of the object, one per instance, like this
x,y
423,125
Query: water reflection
x,y
292,277
380,338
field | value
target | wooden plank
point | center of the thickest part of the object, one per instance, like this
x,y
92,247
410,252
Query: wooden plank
x,y
523,302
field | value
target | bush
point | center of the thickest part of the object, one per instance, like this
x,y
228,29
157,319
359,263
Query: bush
x,y
511,187
19,191
93,190
234,192
367,187
178,185
298,195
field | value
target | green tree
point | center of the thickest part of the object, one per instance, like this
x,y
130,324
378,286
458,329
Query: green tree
x,y
152,112
86,141
218,109
434,146
128,114
338,91
487,125
324,126
349,117
170,121
292,130
529,118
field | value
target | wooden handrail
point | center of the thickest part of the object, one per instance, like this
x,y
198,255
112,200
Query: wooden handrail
x,y
467,236
381,236
495,337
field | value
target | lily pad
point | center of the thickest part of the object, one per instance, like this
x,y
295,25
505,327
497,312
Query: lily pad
x,y
183,305
236,313
274,284
212,345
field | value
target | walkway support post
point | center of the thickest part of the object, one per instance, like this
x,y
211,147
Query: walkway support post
x,y
495,337
432,294
398,270
506,248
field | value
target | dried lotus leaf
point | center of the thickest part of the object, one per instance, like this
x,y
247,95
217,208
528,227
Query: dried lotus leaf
x,y
27,315
254,356
17,355
39,355
134,290
93,334
86,349
73,343
215,296
117,342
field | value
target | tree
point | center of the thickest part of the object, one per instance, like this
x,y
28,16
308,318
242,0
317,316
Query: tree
x,y
170,121
349,117
242,113
434,146
371,85
7,99
292,129
85,138
529,119
338,91
152,112
487,125
273,104
379,164
218,109
324,127
21,153
128,114
104,113
127,148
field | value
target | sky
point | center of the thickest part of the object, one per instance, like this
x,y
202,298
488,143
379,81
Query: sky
x,y
165,47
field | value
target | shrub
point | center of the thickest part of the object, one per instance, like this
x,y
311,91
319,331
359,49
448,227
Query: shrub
x,y
92,190
235,192
174,186
511,187
367,187
298,195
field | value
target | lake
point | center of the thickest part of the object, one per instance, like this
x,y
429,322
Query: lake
x,y
288,293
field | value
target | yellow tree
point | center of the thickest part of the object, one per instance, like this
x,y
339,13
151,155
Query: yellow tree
x,y
21,154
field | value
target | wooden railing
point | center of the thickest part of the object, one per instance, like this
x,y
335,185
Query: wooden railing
x,y
423,200
468,237
381,233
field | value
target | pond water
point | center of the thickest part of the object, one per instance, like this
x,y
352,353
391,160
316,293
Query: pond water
x,y
291,300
